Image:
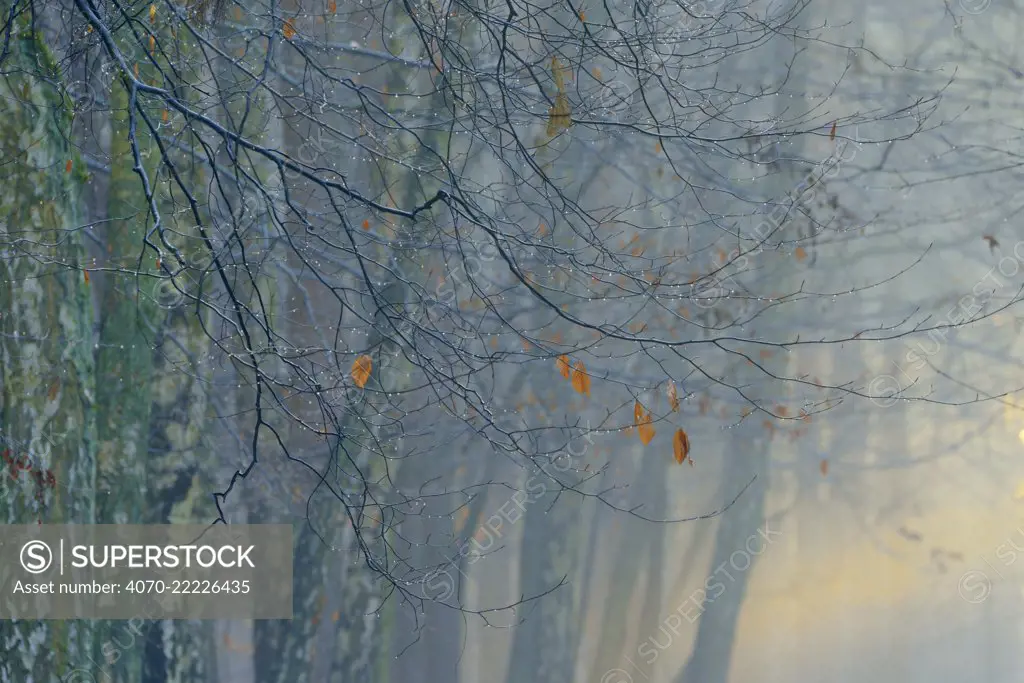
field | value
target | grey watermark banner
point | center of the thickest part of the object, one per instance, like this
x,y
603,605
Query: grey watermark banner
x,y
171,571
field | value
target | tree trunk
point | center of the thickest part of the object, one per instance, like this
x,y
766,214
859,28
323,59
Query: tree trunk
x,y
543,649
727,584
711,659
125,358
46,364
641,543
128,317
177,650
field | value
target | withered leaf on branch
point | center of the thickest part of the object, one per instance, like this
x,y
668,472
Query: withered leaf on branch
x,y
560,115
361,369
646,429
580,378
673,396
681,446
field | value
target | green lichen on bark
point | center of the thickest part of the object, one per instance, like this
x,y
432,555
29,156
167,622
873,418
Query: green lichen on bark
x,y
46,365
130,320
125,360
179,651
282,647
178,484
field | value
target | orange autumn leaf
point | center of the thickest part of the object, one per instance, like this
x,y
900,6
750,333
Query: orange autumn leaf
x,y
494,342
824,468
583,17
673,396
681,446
800,254
781,411
67,166
646,430
85,273
165,116
526,344
332,6
580,378
638,413
657,148
136,71
152,14
288,29
152,42
832,133
596,73
460,519
361,368
560,115
562,363
366,224
542,230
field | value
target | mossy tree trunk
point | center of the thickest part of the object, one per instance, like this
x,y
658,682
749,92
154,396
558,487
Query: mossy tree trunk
x,y
127,317
46,363
178,651
180,469
129,324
